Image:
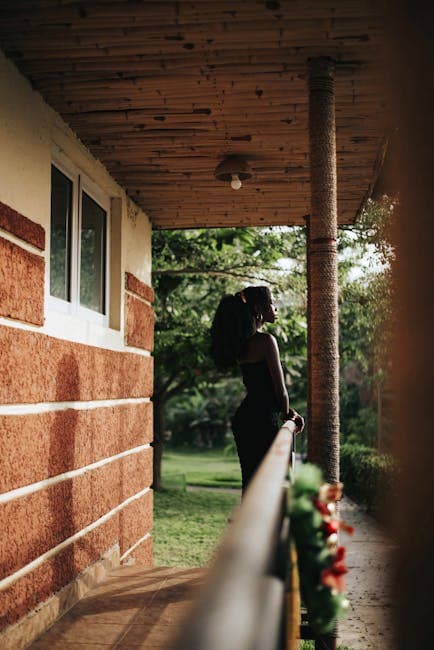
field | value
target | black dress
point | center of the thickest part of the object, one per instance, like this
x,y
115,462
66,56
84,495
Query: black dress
x,y
257,419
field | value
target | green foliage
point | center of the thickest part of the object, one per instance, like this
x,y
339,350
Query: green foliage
x,y
359,424
367,475
371,232
202,417
308,482
365,320
187,526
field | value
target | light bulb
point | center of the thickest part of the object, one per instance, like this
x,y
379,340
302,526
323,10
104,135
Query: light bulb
x,y
235,182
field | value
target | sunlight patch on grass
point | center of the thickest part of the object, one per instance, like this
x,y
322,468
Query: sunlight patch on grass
x,y
207,468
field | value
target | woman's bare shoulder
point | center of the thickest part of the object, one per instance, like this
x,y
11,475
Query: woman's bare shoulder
x,y
265,341
266,338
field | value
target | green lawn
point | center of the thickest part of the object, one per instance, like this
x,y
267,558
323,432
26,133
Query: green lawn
x,y
207,468
188,525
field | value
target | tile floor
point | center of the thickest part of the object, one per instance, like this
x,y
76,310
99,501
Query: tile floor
x,y
132,608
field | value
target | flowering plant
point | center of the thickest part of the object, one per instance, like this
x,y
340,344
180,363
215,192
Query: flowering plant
x,y
314,528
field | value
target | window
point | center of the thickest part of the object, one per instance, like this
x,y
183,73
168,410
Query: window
x,y
79,241
92,254
61,215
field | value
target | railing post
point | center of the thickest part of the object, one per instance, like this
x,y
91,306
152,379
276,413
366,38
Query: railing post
x,y
241,603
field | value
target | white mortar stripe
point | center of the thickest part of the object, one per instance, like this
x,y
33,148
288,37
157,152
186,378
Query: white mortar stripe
x,y
53,480
137,295
19,325
132,348
44,407
14,239
134,546
6,582
54,333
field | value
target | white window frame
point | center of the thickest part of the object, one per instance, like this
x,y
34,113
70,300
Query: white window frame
x,y
81,183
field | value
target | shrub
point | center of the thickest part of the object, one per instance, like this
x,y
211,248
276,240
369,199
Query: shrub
x,y
368,476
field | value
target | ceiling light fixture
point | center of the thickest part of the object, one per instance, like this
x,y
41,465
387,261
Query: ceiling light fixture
x,y
233,170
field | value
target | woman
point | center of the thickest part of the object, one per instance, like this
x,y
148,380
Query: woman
x,y
237,338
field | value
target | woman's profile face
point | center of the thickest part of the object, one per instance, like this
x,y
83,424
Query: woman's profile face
x,y
270,312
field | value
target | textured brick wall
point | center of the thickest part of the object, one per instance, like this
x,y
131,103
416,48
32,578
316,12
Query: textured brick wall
x,y
37,522
139,315
25,594
42,445
41,368
67,407
22,227
37,369
22,273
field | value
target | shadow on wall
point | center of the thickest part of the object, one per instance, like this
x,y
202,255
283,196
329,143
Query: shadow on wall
x,y
62,455
64,518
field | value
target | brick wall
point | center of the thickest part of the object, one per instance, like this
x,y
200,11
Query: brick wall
x,y
75,433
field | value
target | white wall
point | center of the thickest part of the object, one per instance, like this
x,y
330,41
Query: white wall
x,y
30,131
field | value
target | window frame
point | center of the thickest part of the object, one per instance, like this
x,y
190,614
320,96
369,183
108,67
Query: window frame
x,y
81,183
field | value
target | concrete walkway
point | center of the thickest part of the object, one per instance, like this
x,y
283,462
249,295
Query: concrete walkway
x,y
368,623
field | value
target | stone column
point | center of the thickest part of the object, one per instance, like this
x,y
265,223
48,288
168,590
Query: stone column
x,y
323,445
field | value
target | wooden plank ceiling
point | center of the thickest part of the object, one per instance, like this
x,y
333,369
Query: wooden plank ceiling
x,y
162,91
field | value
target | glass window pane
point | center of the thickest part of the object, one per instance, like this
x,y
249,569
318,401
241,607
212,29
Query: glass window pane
x,y
92,254
60,235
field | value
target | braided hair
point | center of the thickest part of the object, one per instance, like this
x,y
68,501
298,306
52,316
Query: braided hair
x,y
235,321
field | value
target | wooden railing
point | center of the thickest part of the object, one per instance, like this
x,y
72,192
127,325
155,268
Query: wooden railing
x,y
244,602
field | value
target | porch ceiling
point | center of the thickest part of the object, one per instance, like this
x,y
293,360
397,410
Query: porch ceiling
x,y
162,91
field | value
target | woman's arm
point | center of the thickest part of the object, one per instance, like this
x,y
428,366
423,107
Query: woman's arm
x,y
272,357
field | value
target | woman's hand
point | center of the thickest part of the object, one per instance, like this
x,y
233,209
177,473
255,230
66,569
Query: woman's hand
x,y
297,419
299,423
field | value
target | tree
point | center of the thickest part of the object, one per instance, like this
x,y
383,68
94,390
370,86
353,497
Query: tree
x,y
366,318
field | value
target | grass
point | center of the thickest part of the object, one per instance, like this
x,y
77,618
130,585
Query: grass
x,y
188,526
205,468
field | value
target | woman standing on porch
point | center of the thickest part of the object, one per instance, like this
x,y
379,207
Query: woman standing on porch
x,y
237,338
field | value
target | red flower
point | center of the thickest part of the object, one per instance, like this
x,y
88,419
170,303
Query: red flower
x,y
340,554
332,576
330,527
346,527
329,492
321,506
